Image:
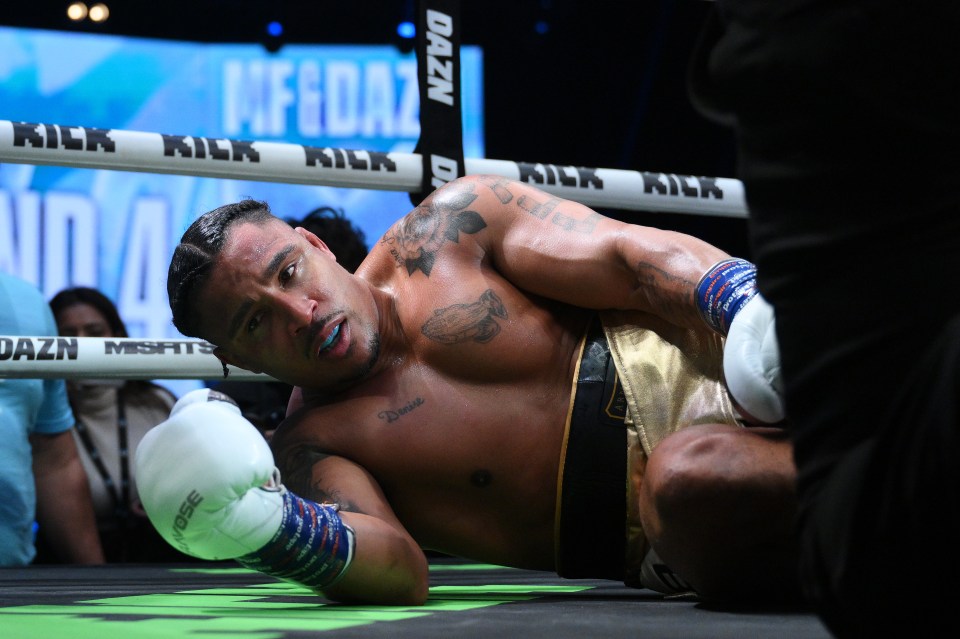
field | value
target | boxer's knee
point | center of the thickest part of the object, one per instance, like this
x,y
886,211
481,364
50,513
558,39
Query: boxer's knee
x,y
718,505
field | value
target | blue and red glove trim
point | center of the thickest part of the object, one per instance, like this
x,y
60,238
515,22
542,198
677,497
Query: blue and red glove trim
x,y
312,547
723,290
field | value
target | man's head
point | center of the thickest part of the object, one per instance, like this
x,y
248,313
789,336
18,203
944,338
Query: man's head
x,y
193,259
272,298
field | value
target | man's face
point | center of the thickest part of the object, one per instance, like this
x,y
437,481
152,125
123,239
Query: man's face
x,y
278,302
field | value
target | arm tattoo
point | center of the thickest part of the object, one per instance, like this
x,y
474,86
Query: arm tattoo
x,y
499,187
297,473
466,322
543,210
658,282
419,236
539,210
651,275
577,226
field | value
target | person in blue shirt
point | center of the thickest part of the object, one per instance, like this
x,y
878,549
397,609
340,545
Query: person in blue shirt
x,y
43,480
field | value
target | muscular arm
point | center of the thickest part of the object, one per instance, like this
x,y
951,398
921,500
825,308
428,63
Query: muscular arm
x,y
388,565
64,507
560,249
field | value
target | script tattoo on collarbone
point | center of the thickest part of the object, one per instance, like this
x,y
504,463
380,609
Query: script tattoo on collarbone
x,y
460,323
393,415
419,236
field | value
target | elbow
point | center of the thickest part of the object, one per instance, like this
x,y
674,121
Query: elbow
x,y
402,583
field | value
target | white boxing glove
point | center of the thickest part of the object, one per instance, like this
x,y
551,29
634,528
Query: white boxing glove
x,y
751,362
208,483
206,480
203,396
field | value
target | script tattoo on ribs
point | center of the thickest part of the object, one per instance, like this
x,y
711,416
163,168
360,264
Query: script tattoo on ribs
x,y
466,322
418,237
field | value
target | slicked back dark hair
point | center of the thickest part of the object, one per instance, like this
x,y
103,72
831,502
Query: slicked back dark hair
x,y
193,259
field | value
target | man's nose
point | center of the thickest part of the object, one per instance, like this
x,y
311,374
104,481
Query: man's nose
x,y
300,312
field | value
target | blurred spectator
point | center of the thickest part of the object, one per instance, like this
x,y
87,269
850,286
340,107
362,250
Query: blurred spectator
x,y
112,416
265,403
43,479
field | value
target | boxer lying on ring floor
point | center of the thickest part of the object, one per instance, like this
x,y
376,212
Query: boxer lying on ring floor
x,y
508,377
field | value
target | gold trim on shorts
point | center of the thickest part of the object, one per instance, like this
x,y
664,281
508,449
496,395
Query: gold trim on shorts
x,y
563,450
672,378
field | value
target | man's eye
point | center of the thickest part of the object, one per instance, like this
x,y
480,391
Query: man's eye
x,y
253,323
286,274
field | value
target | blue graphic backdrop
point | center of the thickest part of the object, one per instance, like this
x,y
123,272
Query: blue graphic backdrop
x,y
116,230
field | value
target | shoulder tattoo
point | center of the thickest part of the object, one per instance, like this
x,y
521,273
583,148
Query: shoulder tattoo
x,y
417,238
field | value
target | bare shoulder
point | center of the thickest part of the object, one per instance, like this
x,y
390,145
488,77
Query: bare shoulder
x,y
456,219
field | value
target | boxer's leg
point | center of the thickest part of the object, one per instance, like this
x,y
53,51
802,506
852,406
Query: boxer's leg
x,y
718,505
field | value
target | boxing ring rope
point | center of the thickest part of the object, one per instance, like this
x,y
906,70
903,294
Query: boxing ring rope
x,y
29,357
124,150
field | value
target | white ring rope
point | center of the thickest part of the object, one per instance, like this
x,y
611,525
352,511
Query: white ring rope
x,y
121,150
112,358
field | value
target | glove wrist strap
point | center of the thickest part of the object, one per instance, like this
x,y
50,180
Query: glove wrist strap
x,y
312,547
723,290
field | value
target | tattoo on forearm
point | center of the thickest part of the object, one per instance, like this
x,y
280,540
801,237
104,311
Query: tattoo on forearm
x,y
466,322
321,496
296,469
653,275
395,414
416,239
658,282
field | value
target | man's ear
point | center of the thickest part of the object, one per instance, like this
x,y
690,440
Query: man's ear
x,y
227,360
311,237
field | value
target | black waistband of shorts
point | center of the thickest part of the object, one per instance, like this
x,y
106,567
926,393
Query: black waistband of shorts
x,y
592,528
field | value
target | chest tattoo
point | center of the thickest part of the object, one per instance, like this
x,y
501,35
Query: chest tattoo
x,y
474,322
395,414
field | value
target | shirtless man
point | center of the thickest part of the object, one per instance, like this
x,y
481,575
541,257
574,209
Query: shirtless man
x,y
458,395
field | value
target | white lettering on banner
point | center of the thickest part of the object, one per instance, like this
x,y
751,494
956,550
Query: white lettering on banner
x,y
20,234
71,250
280,95
142,294
341,86
408,113
439,72
378,97
310,102
335,98
70,241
